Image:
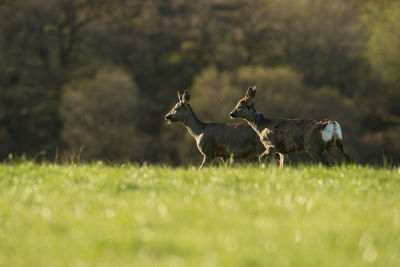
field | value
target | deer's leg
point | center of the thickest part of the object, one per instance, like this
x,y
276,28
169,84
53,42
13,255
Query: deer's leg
x,y
319,156
262,157
281,158
335,149
315,146
223,160
269,152
206,161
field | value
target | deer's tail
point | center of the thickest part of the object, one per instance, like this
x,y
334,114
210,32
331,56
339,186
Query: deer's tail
x,y
332,135
332,132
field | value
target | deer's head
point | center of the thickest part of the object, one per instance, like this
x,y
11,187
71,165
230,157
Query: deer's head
x,y
181,109
245,107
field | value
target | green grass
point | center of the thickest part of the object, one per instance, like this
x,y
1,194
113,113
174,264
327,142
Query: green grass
x,y
93,215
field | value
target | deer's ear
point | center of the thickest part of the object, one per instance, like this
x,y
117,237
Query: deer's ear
x,y
179,96
185,97
251,93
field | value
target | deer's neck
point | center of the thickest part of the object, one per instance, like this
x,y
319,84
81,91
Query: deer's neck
x,y
193,124
258,122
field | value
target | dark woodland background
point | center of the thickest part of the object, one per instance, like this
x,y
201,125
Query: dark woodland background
x,y
92,79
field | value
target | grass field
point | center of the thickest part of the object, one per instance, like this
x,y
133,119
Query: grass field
x,y
96,215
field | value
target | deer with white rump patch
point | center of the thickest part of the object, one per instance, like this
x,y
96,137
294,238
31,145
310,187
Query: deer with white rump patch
x,y
216,140
292,135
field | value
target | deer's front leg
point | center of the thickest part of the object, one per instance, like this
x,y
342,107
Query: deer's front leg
x,y
206,161
269,152
280,157
261,158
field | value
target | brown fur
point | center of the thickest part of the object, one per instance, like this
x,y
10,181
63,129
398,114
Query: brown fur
x,y
289,135
216,140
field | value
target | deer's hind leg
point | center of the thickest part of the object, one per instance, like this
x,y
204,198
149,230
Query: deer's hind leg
x,y
315,147
335,149
224,160
319,156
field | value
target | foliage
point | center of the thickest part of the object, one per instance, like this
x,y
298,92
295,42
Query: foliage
x,y
384,42
134,215
338,57
383,52
100,116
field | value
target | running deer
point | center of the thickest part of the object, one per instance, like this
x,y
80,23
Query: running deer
x,y
216,140
292,135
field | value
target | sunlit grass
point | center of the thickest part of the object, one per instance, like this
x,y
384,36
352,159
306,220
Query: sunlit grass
x,y
94,215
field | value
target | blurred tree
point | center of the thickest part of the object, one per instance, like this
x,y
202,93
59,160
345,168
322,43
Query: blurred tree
x,y
383,46
100,115
339,53
213,95
383,53
281,93
38,41
320,39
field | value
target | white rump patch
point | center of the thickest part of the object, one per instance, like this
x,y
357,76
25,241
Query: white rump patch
x,y
338,131
333,128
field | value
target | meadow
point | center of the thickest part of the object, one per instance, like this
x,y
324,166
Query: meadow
x,y
244,215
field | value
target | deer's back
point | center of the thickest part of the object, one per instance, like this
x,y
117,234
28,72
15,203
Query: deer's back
x,y
289,135
226,139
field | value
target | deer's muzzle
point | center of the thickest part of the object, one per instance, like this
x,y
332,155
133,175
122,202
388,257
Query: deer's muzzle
x,y
168,118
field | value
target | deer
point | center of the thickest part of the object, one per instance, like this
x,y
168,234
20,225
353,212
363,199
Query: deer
x,y
216,140
282,136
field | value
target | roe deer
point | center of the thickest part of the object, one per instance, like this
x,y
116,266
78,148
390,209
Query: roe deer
x,y
216,140
292,135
